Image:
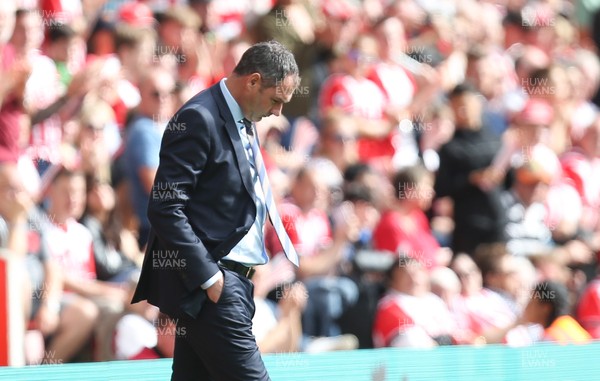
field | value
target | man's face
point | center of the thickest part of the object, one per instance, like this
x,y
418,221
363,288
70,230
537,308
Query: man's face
x,y
530,186
411,278
67,196
266,101
467,110
310,191
510,281
530,133
157,97
28,32
339,140
468,273
537,311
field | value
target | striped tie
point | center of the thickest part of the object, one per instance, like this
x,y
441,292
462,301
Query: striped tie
x,y
286,243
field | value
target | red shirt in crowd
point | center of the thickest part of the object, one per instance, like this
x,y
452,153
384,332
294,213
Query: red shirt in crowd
x,y
475,314
408,234
588,309
70,245
309,231
398,85
404,320
362,98
582,172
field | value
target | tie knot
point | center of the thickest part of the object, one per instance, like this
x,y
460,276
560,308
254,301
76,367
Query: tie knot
x,y
248,125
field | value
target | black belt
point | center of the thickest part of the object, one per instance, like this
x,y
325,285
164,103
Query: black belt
x,y
244,271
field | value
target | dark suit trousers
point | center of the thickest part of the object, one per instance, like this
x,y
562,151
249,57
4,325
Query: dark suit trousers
x,y
218,345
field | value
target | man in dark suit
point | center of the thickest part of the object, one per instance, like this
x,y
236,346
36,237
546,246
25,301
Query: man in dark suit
x,y
208,206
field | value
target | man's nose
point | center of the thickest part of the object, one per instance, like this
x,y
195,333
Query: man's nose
x,y
276,110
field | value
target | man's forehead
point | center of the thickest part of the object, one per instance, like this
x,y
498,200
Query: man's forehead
x,y
285,88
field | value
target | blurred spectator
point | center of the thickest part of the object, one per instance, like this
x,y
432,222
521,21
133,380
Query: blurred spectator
x,y
59,49
435,129
351,92
142,143
465,175
445,284
493,74
21,232
363,265
499,271
338,140
65,242
101,41
587,310
70,243
15,236
143,332
46,100
181,45
277,158
15,71
378,185
580,164
409,315
139,339
98,138
480,312
404,228
136,14
293,23
526,139
115,251
321,250
367,214
134,47
551,85
278,326
14,207
531,227
546,318
527,230
407,85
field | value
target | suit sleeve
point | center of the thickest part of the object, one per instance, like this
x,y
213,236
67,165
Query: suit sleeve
x,y
183,156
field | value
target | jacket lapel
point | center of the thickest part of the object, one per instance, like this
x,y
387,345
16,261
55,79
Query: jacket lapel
x,y
232,131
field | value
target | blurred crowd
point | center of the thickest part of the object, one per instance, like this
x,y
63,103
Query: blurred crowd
x,y
438,168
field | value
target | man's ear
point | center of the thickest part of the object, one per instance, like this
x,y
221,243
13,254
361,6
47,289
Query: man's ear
x,y
254,81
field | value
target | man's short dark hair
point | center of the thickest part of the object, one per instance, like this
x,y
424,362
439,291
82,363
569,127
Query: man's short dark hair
x,y
66,173
129,36
409,176
355,171
555,294
60,32
489,257
358,192
462,89
404,262
273,61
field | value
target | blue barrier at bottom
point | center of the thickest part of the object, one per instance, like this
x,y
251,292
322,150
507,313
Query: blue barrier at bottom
x,y
547,362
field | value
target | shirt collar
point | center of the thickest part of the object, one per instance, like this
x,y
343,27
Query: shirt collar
x,y
232,104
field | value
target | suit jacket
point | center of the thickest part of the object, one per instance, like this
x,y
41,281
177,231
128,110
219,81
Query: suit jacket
x,y
202,204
